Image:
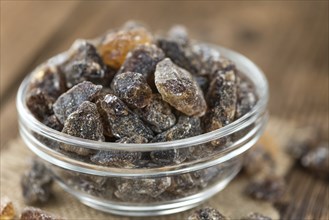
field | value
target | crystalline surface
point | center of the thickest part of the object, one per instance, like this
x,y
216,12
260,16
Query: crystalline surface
x,y
132,88
123,122
120,158
31,213
86,65
157,114
185,127
207,213
69,101
179,89
143,59
84,123
221,98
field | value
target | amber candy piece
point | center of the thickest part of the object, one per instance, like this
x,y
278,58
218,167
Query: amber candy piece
x,y
31,213
116,45
157,114
179,89
207,213
132,88
69,101
7,211
123,122
120,158
86,65
36,183
85,123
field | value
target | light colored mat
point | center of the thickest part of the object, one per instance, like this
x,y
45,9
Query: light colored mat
x,y
231,201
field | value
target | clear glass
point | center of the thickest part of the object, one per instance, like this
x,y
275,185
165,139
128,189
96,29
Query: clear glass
x,y
150,189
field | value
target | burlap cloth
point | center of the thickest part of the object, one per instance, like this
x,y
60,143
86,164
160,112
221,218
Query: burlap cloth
x,y
231,201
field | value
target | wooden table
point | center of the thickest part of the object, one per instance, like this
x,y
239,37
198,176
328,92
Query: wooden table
x,y
288,40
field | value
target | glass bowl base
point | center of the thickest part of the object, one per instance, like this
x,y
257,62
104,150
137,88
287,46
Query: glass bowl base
x,y
163,208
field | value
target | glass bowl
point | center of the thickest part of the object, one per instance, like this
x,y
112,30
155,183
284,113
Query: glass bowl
x,y
150,190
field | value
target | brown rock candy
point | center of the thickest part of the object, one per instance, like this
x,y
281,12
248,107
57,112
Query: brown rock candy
x,y
317,160
269,188
143,59
181,184
84,123
185,127
40,104
90,184
123,122
157,114
204,176
203,82
86,65
206,59
207,213
221,98
31,213
246,97
302,141
49,79
141,189
179,89
132,88
255,216
120,158
177,47
52,122
69,101
36,183
179,33
258,160
116,45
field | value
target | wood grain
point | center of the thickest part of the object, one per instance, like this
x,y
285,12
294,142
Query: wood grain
x,y
25,29
288,40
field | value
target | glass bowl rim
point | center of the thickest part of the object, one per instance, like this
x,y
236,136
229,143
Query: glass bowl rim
x,y
26,116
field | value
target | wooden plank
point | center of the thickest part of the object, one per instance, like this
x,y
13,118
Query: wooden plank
x,y
25,27
8,122
309,196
